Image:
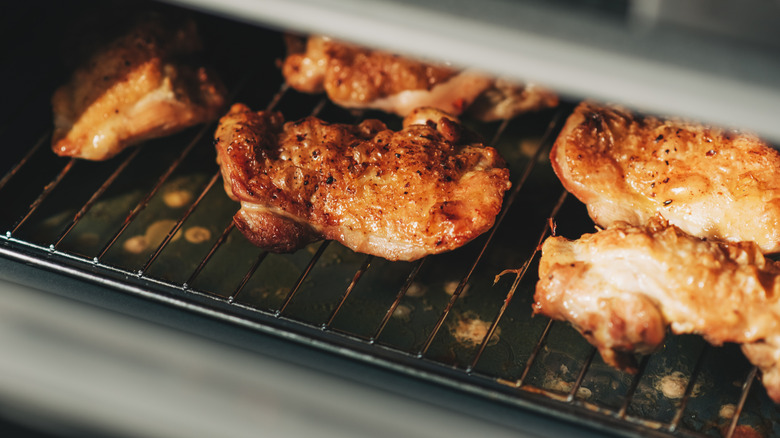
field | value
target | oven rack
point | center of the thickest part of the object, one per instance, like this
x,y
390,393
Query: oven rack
x,y
53,204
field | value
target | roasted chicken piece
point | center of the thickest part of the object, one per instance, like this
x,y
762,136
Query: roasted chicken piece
x,y
136,87
623,286
357,77
712,183
426,189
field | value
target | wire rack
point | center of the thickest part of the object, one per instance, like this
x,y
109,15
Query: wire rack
x,y
155,222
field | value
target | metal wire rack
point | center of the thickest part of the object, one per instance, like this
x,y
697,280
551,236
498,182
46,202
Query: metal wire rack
x,y
155,222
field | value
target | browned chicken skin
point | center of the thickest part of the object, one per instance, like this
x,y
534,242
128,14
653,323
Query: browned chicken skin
x,y
710,182
357,77
621,288
133,89
399,195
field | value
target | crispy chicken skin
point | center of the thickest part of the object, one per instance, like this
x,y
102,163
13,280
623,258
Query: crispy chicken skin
x,y
135,88
399,195
356,77
712,183
623,286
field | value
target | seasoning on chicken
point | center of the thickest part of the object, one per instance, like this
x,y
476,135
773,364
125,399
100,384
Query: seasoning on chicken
x,y
711,183
623,286
134,88
357,77
402,195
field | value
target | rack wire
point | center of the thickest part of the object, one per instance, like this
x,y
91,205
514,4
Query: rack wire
x,y
447,318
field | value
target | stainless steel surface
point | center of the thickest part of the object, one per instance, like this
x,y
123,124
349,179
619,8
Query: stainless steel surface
x,y
122,230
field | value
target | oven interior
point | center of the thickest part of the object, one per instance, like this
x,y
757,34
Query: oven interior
x,y
155,224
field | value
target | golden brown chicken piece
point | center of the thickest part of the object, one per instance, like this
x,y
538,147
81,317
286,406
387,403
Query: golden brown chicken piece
x,y
623,286
399,195
710,182
135,88
357,77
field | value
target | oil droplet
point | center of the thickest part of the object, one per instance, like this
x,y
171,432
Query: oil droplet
x,y
197,234
470,331
402,312
584,393
727,411
557,385
416,290
673,385
177,198
451,286
158,230
136,244
152,238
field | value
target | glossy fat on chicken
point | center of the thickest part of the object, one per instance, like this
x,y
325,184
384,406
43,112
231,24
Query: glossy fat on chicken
x,y
134,88
357,77
426,189
712,183
623,286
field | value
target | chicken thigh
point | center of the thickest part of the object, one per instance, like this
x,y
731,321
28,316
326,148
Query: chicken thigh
x,y
135,88
710,182
623,286
357,77
426,189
